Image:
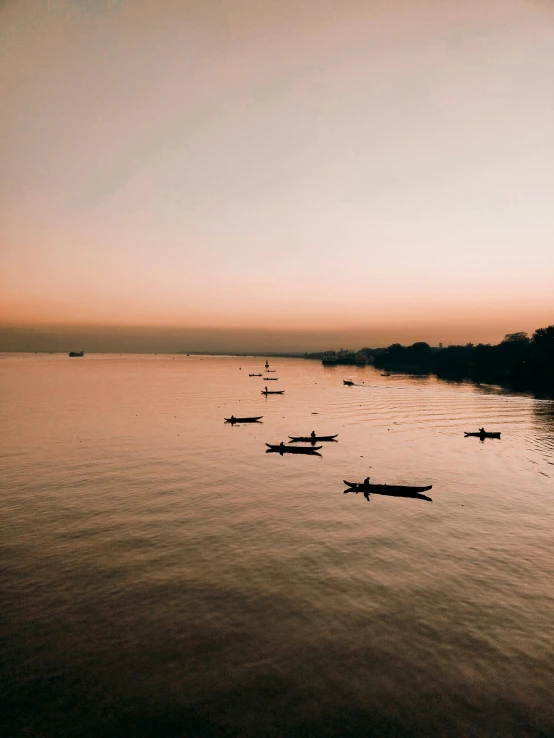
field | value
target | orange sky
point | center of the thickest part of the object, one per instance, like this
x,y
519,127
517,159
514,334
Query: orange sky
x,y
376,169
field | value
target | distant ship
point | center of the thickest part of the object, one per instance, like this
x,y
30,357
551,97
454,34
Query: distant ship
x,y
343,357
76,353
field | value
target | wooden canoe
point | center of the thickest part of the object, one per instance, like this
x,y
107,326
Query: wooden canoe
x,y
394,490
292,449
254,375
349,382
486,434
244,420
270,379
315,439
272,392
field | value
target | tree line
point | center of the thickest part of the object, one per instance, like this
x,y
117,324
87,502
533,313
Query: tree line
x,y
519,359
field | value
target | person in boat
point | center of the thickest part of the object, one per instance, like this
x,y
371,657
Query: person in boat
x,y
366,482
482,431
312,435
281,446
233,418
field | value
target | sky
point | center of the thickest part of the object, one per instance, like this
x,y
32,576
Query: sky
x,y
285,173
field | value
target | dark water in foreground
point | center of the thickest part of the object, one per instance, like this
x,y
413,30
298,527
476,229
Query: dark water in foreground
x,y
162,575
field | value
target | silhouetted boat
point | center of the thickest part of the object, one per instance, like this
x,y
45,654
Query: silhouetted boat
x,y
483,434
349,382
272,392
314,439
271,379
76,353
292,449
244,420
271,370
386,374
254,375
388,492
386,489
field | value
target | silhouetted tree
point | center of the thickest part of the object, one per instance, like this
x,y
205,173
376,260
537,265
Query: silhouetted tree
x,y
520,337
517,359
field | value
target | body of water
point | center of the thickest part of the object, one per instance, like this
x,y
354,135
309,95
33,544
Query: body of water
x,y
160,574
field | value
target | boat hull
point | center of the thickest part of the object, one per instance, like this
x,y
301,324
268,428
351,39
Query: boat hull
x,y
273,392
244,420
393,490
292,449
482,435
309,439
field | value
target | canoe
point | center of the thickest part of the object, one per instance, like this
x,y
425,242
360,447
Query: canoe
x,y
270,379
486,434
254,375
349,382
386,489
382,489
292,449
271,370
315,439
244,420
272,392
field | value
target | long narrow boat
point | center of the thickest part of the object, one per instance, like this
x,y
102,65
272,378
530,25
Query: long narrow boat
x,y
272,392
244,420
395,490
384,490
270,379
349,382
254,375
312,439
271,370
292,449
484,434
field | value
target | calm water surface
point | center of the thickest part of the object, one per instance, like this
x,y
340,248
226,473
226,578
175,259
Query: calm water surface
x,y
162,575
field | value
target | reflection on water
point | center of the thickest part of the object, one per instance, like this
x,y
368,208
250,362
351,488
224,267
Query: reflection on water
x,y
160,575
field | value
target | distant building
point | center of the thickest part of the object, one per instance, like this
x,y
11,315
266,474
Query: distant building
x,y
343,357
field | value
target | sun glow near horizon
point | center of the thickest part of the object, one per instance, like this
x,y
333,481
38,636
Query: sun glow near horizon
x,y
381,167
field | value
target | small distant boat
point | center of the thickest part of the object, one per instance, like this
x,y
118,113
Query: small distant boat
x,y
386,374
292,449
271,379
272,392
76,353
312,439
254,375
270,370
482,434
349,382
243,420
391,490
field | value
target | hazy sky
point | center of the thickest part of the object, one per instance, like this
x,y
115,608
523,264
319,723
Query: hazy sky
x,y
384,167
